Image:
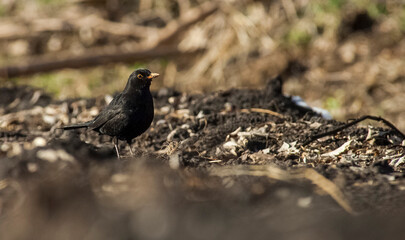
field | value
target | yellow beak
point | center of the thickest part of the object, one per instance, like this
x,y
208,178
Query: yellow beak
x,y
153,75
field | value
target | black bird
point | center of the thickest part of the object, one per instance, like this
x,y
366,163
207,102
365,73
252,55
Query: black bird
x,y
129,114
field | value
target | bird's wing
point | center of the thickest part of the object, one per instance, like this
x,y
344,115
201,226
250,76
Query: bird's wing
x,y
115,126
103,117
109,112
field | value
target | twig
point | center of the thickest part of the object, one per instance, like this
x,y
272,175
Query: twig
x,y
261,110
347,125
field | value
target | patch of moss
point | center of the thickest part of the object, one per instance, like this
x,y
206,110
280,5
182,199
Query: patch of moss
x,y
332,103
402,20
376,10
52,83
298,36
50,2
2,11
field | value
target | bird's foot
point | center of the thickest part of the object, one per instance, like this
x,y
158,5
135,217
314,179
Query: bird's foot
x,y
116,149
115,141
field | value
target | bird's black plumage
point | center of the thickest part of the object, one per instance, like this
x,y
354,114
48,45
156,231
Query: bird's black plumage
x,y
129,114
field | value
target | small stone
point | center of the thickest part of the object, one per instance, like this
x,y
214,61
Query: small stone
x,y
32,167
171,100
47,155
50,111
52,155
165,109
174,160
5,147
160,122
228,107
51,120
94,111
304,202
16,149
63,155
119,178
39,142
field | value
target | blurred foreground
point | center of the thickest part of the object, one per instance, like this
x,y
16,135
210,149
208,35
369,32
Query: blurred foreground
x,y
345,56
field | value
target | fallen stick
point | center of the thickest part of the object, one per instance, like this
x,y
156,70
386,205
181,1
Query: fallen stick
x,y
347,125
261,110
88,60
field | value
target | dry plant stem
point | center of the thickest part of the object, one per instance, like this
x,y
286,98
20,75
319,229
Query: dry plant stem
x,y
261,110
347,125
276,173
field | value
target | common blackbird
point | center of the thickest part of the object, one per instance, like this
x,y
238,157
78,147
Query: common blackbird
x,y
129,114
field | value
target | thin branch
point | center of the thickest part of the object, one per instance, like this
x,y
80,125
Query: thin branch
x,y
89,59
347,125
261,110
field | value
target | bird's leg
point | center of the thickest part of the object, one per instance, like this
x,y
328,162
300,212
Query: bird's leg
x,y
115,141
130,149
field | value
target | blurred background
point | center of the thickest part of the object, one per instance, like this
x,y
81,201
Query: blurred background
x,y
344,56
341,55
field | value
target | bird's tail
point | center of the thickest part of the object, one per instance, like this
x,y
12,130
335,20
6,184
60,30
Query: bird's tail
x,y
75,126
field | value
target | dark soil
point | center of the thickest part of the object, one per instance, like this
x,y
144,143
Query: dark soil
x,y
214,166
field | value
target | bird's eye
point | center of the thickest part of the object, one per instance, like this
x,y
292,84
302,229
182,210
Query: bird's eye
x,y
139,76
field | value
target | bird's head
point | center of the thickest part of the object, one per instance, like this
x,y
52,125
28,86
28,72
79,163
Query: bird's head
x,y
141,78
